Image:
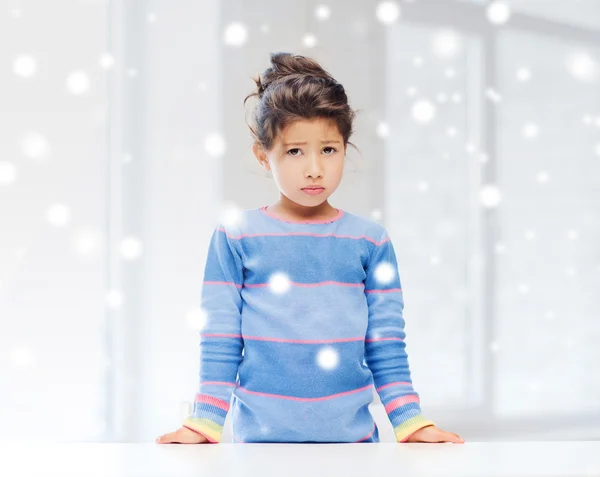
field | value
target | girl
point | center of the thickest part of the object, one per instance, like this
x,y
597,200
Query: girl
x,y
303,300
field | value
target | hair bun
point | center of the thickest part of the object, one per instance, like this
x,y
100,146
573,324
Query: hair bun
x,y
286,66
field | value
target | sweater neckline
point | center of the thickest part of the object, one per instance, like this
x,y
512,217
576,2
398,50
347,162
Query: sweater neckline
x,y
338,216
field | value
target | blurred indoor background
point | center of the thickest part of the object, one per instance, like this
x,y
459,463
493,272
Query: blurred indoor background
x,y
123,140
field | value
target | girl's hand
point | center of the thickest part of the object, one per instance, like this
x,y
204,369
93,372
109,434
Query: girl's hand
x,y
433,434
182,436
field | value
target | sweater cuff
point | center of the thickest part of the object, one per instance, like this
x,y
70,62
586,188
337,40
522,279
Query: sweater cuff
x,y
409,427
209,429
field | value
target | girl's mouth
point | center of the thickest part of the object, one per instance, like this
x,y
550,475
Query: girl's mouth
x,y
313,190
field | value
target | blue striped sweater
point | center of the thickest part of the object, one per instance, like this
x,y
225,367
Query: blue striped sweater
x,y
303,318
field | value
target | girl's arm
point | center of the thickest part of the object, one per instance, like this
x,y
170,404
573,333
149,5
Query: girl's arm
x,y
385,352
221,341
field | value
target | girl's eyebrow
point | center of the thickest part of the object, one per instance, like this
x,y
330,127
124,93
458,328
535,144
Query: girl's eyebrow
x,y
327,141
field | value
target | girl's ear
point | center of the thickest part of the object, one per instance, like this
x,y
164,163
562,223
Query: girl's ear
x,y
261,156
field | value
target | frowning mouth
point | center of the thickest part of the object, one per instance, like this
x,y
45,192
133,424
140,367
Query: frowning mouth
x,y
313,190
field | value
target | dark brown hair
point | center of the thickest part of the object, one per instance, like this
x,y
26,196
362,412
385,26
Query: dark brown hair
x,y
296,87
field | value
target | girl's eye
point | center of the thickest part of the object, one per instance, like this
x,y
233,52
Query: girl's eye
x,y
295,149
332,150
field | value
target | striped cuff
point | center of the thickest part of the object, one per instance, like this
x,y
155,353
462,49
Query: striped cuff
x,y
208,417
209,429
409,427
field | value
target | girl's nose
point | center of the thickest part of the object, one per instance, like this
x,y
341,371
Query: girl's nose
x,y
314,168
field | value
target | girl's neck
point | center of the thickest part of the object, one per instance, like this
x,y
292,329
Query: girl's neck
x,y
288,209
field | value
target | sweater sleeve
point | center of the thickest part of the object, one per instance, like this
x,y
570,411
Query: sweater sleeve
x,y
221,341
385,352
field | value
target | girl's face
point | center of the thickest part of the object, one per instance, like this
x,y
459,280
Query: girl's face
x,y
307,153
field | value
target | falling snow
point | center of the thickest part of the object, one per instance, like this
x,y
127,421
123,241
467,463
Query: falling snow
x,y
78,83
388,12
498,12
279,283
385,273
236,34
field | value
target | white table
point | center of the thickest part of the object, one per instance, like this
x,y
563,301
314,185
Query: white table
x,y
477,459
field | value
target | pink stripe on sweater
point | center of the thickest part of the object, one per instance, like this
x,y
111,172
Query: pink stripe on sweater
x,y
368,436
394,384
384,291
283,340
294,398
401,401
213,401
308,285
221,335
207,282
370,340
303,285
305,234
339,215
218,383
